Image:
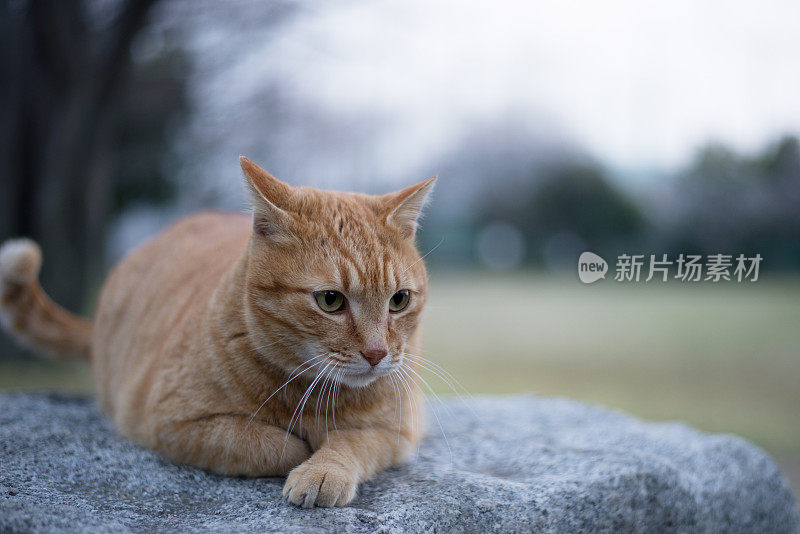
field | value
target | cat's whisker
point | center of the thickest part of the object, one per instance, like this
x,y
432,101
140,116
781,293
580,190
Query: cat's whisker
x,y
436,366
328,399
317,361
322,386
335,396
430,389
424,255
327,383
334,390
418,408
396,403
320,378
413,402
331,386
435,372
405,368
445,377
297,415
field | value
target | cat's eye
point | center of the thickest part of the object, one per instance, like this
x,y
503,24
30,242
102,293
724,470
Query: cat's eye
x,y
330,301
399,300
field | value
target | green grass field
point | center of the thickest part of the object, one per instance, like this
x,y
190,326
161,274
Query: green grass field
x,y
722,357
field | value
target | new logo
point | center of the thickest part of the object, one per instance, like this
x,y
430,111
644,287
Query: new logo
x,y
591,267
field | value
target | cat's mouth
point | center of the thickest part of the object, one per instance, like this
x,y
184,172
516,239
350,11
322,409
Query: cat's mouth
x,y
358,376
360,380
352,369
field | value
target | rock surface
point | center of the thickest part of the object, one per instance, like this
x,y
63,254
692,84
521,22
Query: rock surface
x,y
518,464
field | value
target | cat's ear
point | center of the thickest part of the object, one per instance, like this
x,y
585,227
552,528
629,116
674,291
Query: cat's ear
x,y
270,196
405,206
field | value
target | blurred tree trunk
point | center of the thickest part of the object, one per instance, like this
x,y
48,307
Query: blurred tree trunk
x,y
62,64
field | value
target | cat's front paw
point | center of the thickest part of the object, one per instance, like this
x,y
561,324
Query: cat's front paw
x,y
320,484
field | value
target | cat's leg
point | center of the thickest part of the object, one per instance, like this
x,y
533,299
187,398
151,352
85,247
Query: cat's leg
x,y
233,445
344,459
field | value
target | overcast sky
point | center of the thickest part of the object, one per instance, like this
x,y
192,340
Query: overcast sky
x,y
392,85
639,84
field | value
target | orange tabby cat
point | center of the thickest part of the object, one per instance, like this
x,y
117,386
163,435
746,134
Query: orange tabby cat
x,y
272,345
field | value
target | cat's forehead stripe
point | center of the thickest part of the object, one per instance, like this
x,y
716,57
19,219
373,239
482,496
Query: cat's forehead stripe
x,y
352,278
378,270
363,256
387,270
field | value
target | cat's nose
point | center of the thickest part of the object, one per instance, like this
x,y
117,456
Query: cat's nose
x,y
374,356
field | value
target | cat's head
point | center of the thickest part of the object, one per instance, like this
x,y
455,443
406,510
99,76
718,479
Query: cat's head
x,y
334,280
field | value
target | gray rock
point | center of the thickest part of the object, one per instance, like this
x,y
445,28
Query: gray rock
x,y
520,463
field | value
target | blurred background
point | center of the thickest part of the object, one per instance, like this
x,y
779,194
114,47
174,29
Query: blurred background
x,y
556,127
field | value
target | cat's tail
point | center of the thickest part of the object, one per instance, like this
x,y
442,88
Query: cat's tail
x,y
29,314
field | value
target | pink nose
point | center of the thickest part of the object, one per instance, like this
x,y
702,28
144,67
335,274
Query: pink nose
x,y
374,356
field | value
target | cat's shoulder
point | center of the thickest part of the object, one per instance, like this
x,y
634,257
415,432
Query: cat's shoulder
x,y
195,237
209,226
213,221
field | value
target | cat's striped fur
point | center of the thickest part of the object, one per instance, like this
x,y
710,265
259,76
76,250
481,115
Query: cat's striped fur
x,y
207,341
